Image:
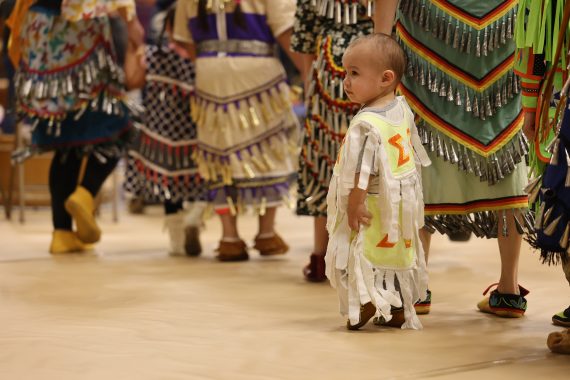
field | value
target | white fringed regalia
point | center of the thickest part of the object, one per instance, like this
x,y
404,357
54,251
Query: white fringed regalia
x,y
383,263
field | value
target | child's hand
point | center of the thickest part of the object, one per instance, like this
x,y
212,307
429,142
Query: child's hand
x,y
357,212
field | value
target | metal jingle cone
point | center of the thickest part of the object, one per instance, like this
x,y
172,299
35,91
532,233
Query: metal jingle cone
x,y
448,33
555,152
463,43
533,184
468,107
488,109
565,236
503,32
509,27
458,101
456,36
467,163
518,224
478,44
482,109
491,43
450,96
442,27
338,12
435,84
427,20
453,158
422,14
439,147
547,215
468,47
523,145
498,101
446,156
442,88
354,12
505,229
435,29
497,164
549,230
497,36
475,106
528,222
485,47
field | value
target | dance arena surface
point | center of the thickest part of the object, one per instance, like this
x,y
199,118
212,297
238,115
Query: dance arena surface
x,y
132,312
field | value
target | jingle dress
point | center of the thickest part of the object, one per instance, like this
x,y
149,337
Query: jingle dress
x,y
69,86
383,263
325,31
461,85
160,166
247,133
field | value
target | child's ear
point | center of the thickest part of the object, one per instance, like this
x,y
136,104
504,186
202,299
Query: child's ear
x,y
388,78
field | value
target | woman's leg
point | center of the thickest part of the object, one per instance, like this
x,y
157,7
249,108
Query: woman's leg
x,y
96,172
229,227
232,247
63,175
267,222
62,183
509,248
267,241
81,204
321,236
315,270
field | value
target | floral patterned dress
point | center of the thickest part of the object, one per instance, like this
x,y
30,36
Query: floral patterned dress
x,y
325,32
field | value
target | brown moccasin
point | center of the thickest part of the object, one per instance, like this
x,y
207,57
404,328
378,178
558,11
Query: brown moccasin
x,y
232,251
271,246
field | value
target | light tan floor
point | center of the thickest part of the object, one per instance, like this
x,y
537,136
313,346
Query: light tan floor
x,y
132,312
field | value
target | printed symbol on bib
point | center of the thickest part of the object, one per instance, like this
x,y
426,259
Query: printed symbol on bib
x,y
385,244
397,142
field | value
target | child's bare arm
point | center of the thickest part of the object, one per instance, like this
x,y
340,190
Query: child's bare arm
x,y
357,212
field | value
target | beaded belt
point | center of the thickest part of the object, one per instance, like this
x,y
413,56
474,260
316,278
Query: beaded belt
x,y
236,47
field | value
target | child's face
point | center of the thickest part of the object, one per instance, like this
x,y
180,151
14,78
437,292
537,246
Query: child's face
x,y
365,79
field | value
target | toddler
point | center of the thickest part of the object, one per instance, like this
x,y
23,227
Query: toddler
x,y
375,207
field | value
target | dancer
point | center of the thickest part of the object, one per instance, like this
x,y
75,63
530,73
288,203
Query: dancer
x,y
379,266
70,91
323,30
247,133
461,84
160,167
542,58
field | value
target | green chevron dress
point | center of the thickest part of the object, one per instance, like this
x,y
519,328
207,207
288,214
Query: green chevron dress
x,y
461,85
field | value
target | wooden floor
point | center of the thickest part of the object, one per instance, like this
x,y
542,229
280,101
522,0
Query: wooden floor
x,y
132,312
